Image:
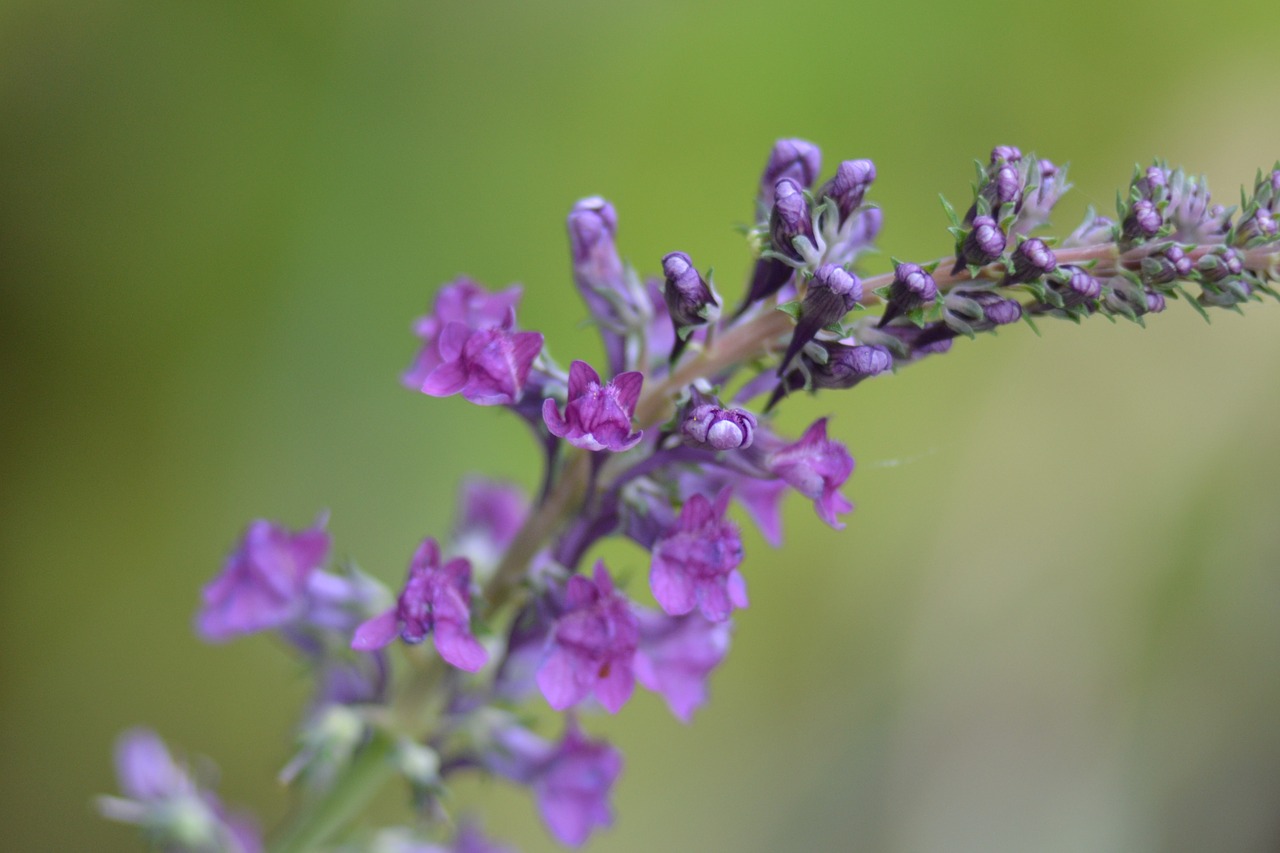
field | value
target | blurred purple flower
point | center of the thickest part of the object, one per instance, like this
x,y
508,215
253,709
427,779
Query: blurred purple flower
x,y
592,646
816,467
263,583
597,416
163,799
676,654
436,600
695,563
491,513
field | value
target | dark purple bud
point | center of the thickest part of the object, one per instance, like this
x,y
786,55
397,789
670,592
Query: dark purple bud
x,y
711,426
1221,263
790,217
1153,186
1005,154
911,288
1004,187
832,293
1079,287
1031,261
998,310
849,185
1258,224
689,299
983,244
796,159
1155,302
1143,222
848,365
1166,266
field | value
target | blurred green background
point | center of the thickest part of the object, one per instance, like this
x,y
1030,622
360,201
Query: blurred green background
x,y
1051,623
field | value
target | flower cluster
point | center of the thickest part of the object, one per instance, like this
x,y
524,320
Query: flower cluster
x,y
661,442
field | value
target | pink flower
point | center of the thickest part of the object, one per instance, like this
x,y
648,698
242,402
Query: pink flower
x,y
596,417
695,563
815,466
436,600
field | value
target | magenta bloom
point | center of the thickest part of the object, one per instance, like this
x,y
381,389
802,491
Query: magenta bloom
x,y
571,780
592,646
675,656
816,466
466,302
161,797
596,417
487,366
695,564
436,600
264,582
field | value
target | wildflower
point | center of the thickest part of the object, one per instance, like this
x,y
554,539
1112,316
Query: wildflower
x,y
264,582
849,185
676,654
464,301
689,299
596,416
816,467
912,287
832,293
487,366
695,563
163,799
591,646
491,514
983,244
436,600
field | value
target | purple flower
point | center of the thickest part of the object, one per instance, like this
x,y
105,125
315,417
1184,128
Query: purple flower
x,y
436,600
592,646
596,417
617,302
816,467
695,564
847,365
1045,185
161,797
487,366
797,159
264,582
709,425
790,217
1078,288
571,780
1005,154
760,495
491,515
675,656
1142,223
466,302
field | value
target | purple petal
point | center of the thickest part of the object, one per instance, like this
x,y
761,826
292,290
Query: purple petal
x,y
446,380
581,377
376,632
713,601
628,387
737,588
672,588
460,648
614,689
556,424
557,679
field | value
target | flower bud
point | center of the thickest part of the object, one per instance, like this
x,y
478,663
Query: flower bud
x,y
850,184
1142,223
1166,266
1093,230
1076,286
1221,263
711,426
690,301
983,244
796,159
911,287
998,310
1155,301
1258,224
1005,154
832,293
1153,186
790,217
848,365
1032,260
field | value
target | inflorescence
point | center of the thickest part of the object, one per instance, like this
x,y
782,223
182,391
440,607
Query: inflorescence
x,y
654,444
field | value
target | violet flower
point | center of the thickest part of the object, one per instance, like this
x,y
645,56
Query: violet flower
x,y
708,425
490,515
571,780
162,798
487,366
677,654
263,583
597,416
436,600
463,301
592,646
816,467
695,564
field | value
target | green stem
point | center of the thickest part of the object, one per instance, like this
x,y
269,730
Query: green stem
x,y
359,782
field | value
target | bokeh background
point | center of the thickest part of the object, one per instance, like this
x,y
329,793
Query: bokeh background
x,y
1051,623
